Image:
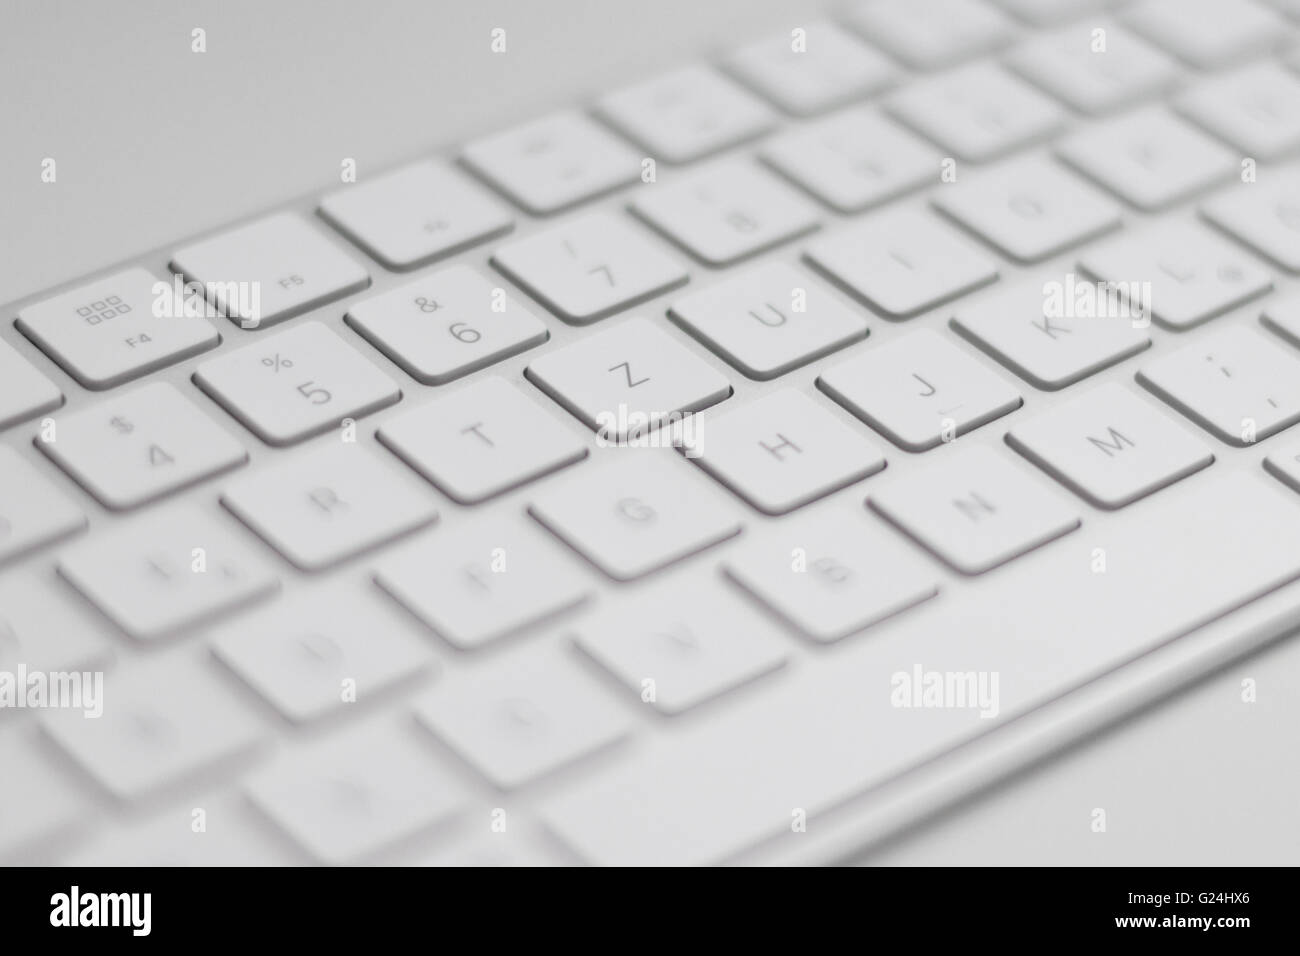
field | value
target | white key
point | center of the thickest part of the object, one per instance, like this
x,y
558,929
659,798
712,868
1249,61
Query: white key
x,y
627,380
554,162
1235,382
270,270
1193,274
1283,317
783,450
769,320
588,268
166,571
117,328
481,440
43,626
141,445
1055,338
446,325
32,511
24,392
685,114
830,68
415,214
298,383
519,718
927,34
1046,12
1208,33
1149,158
638,512
919,390
977,112
692,643
302,654
975,509
1284,465
1110,447
165,838
503,848
329,504
1256,109
902,262
854,159
36,803
1029,209
1264,215
484,581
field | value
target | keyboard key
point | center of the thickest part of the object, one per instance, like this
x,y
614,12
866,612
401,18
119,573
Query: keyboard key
x,y
554,162
1029,209
676,647
1234,382
1284,465
1047,12
726,213
413,215
166,571
299,383
685,114
24,392
853,160
270,270
751,320
141,445
976,112
164,838
42,627
117,328
1208,33
1283,317
627,380
328,504
975,509
588,268
481,441
902,262
919,390
1256,109
36,803
783,450
927,34
446,325
635,513
32,511
1263,215
484,581
1110,447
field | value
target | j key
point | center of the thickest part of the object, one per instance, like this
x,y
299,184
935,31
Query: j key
x,y
1256,109
32,511
1208,33
24,392
927,34
42,627
1264,215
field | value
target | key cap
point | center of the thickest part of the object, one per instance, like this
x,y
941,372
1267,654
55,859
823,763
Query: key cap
x,y
975,510
1233,382
166,571
1185,275
32,511
483,582
1149,158
902,262
919,390
1256,109
783,450
976,112
416,214
521,718
1207,33
685,114
141,445
328,504
43,627
832,573
683,646
627,380
1283,317
1055,333
299,383
446,325
500,849
166,838
1047,12
726,213
751,320
270,270
853,160
1284,464
554,162
1265,216
1029,209
588,268
1110,447
481,441
117,328
36,803
24,392
635,513
821,68
930,33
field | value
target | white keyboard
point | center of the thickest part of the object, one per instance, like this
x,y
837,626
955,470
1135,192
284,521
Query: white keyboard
x,y
579,494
